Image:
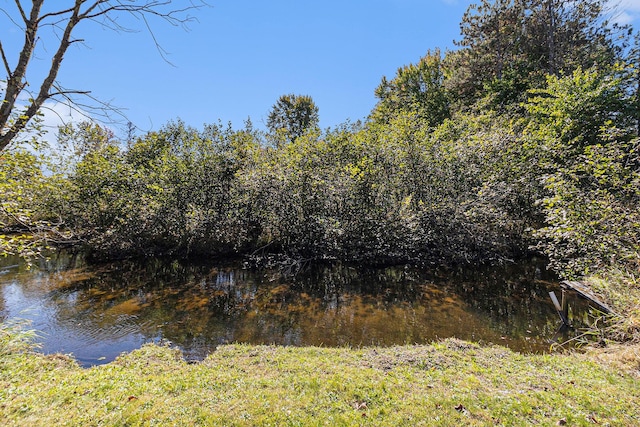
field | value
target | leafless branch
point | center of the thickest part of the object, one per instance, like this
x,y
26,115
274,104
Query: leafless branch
x,y
163,53
98,109
10,18
58,13
67,93
5,61
63,23
22,14
16,81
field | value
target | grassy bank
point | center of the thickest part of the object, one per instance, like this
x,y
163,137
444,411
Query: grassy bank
x,y
620,289
447,383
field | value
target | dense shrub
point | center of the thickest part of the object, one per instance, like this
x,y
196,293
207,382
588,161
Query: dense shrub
x,y
392,192
585,134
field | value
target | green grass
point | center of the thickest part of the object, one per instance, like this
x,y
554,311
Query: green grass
x,y
621,290
449,383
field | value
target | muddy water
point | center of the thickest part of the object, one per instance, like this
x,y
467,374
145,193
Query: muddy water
x,y
97,312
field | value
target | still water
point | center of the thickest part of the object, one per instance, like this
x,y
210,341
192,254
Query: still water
x,y
98,312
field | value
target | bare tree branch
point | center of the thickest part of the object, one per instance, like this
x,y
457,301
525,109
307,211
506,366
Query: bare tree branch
x,y
58,13
43,95
65,20
13,21
161,51
15,81
7,67
68,93
22,14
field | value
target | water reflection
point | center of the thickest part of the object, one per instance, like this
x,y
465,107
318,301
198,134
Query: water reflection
x,y
98,312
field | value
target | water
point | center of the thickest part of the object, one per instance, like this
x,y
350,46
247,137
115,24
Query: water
x,y
98,312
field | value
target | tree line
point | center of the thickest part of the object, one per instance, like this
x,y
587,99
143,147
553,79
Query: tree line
x,y
523,139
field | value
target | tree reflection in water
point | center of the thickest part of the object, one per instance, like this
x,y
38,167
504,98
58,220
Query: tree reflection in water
x,y
96,312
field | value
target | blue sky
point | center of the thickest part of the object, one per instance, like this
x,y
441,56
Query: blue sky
x,y
242,55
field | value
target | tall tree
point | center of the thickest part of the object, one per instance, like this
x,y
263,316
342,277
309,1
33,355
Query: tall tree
x,y
491,48
63,22
508,46
291,116
565,35
416,89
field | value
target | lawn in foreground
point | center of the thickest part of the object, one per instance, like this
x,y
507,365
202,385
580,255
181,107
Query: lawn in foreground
x,y
447,383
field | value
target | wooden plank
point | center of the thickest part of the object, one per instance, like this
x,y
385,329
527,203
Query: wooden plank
x,y
585,292
558,307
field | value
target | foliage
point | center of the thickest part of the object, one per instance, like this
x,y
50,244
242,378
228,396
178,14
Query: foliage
x,y
291,116
393,192
396,192
417,89
29,220
509,46
588,153
172,191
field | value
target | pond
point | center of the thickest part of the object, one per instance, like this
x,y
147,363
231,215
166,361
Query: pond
x,y
97,312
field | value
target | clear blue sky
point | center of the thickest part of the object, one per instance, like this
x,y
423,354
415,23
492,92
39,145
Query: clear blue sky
x,y
242,55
